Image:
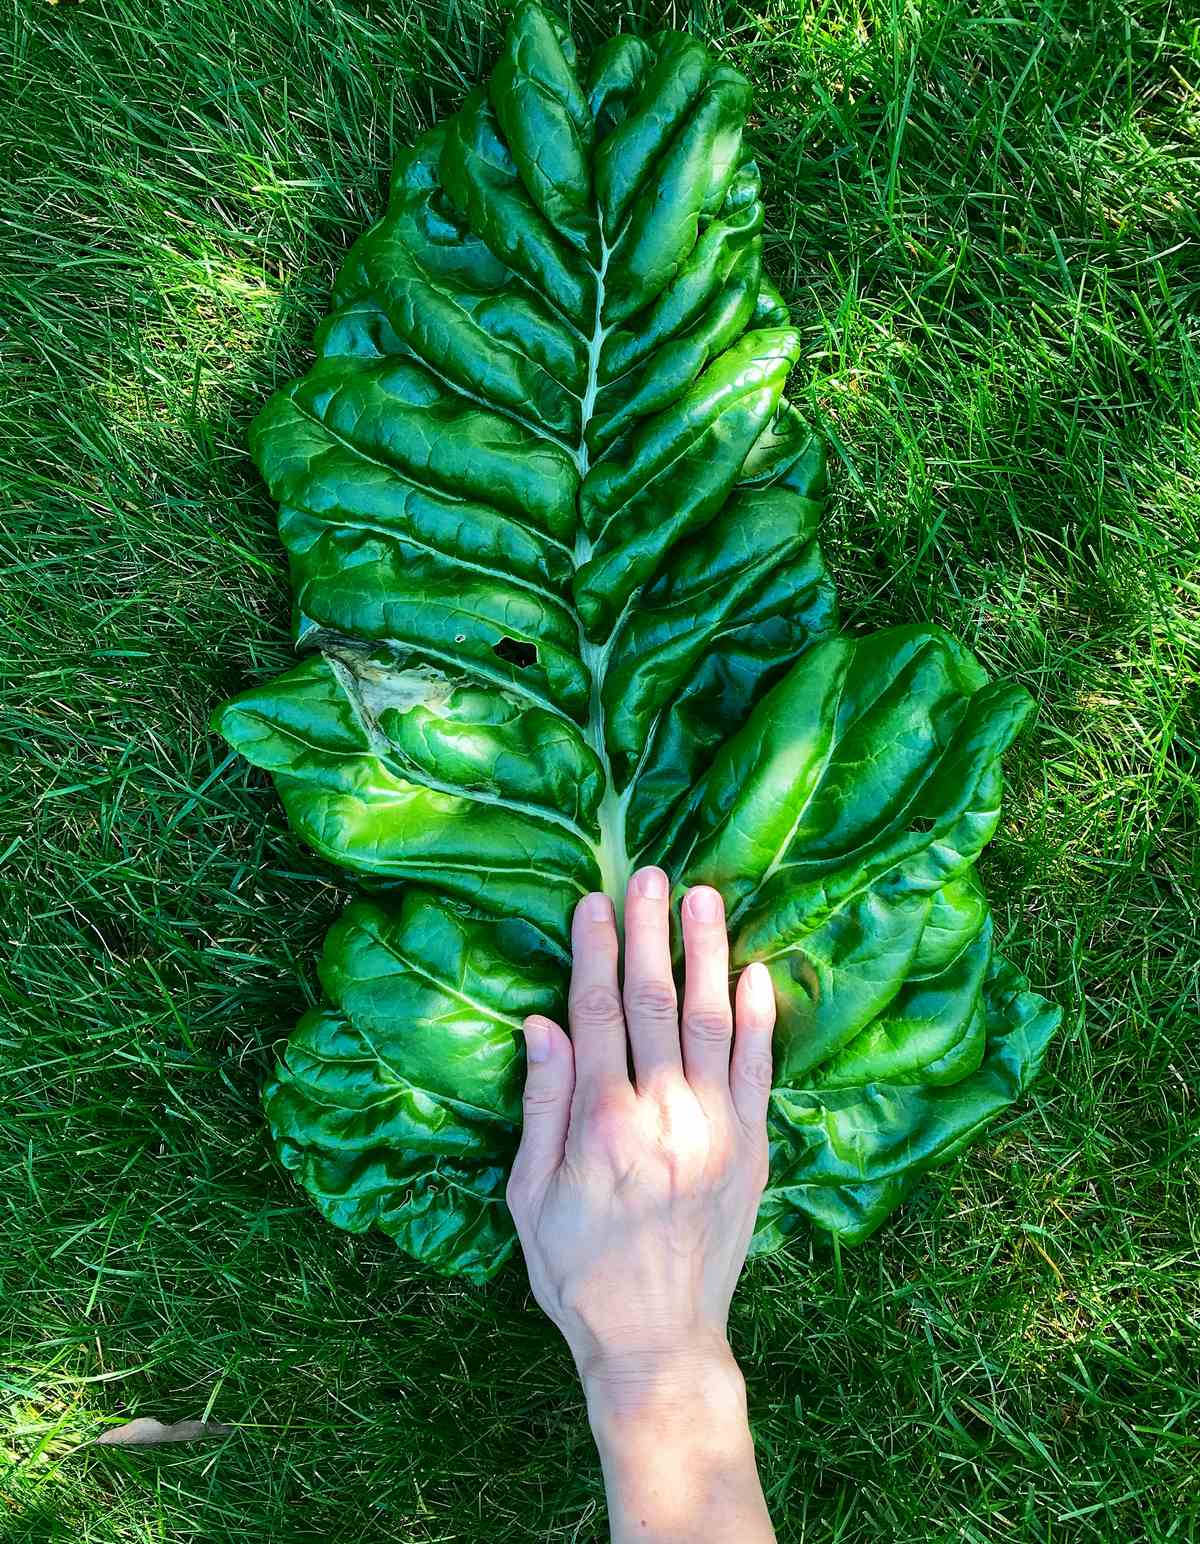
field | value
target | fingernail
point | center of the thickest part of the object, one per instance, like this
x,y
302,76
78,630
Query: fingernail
x,y
651,884
537,1040
596,907
704,904
758,984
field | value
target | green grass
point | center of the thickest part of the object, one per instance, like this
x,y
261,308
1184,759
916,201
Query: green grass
x,y
985,215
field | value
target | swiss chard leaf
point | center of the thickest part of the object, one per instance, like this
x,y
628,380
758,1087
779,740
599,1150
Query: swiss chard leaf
x,y
553,537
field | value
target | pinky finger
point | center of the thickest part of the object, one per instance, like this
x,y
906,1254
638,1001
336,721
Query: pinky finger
x,y
750,1069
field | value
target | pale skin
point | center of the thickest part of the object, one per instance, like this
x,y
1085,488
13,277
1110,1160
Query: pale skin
x,y
634,1196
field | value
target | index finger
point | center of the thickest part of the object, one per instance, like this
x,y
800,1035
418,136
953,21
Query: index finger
x,y
594,1002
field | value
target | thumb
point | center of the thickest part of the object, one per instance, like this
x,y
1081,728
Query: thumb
x,y
549,1085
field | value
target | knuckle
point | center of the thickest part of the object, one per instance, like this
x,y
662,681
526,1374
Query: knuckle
x,y
708,1026
606,1120
661,1085
607,1109
595,1005
756,1070
539,1098
654,999
683,1128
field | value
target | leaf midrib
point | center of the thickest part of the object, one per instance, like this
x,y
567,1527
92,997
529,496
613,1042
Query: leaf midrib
x,y
611,852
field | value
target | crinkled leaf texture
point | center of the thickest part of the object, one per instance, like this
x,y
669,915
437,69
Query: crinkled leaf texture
x,y
553,537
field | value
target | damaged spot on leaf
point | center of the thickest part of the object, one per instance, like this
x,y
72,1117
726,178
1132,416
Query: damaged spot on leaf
x,y
515,652
379,684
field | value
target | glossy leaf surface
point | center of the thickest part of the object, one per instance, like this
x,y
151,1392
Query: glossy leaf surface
x,y
552,528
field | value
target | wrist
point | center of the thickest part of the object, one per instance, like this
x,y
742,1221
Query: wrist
x,y
662,1384
671,1429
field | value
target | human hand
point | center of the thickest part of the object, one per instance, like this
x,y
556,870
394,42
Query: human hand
x,y
635,1200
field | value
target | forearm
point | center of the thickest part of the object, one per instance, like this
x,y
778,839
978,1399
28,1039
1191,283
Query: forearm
x,y
676,1451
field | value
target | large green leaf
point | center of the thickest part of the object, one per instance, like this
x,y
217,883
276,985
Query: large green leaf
x,y
553,536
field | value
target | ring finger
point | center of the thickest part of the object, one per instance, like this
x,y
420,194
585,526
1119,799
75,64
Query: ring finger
x,y
707,1015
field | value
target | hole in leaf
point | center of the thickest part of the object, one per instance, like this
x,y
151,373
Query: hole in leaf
x,y
921,823
515,652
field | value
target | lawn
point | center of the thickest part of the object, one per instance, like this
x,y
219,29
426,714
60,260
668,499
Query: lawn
x,y
984,216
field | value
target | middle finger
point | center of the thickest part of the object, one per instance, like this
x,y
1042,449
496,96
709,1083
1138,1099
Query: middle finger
x,y
651,1011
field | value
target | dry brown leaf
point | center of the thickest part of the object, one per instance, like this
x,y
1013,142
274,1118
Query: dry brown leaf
x,y
145,1431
